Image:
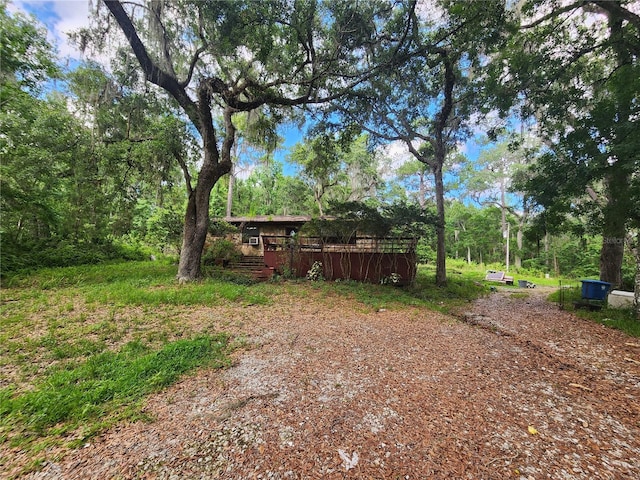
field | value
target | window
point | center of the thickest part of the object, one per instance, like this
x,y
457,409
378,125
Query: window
x,y
251,235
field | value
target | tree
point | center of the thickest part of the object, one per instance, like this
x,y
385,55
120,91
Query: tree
x,y
576,67
255,131
136,149
236,56
337,169
75,164
427,98
33,164
476,230
415,175
28,59
489,181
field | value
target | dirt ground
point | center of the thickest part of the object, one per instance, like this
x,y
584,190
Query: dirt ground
x,y
510,388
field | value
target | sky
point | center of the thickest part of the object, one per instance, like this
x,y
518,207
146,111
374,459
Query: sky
x,y
60,17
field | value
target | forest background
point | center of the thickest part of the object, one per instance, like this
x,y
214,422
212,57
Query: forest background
x,y
517,123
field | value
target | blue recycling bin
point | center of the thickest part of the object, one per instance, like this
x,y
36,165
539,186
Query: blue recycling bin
x,y
595,289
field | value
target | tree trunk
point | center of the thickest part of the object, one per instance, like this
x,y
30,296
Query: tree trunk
x,y
503,221
194,236
616,180
232,181
422,191
456,233
611,257
317,196
636,254
441,268
614,231
546,249
196,221
520,237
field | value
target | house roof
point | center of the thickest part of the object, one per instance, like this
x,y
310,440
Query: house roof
x,y
269,219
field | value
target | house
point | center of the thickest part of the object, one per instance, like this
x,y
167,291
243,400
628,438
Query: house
x,y
251,230
277,240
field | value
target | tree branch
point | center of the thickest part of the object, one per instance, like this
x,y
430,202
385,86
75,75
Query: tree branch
x,y
615,9
152,72
555,13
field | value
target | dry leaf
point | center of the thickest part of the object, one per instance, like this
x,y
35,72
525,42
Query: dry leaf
x,y
582,387
532,430
349,462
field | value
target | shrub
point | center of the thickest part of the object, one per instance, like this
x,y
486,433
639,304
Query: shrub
x,y
64,253
220,228
220,252
393,279
425,252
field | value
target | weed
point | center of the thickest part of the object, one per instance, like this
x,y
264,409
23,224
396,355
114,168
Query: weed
x,y
104,382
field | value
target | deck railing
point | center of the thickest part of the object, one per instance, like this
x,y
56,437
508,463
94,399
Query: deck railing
x,y
356,245
363,258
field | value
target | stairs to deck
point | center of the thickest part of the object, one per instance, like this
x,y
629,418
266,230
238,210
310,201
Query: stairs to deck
x,y
254,266
248,264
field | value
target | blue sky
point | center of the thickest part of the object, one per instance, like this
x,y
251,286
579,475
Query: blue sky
x,y
60,17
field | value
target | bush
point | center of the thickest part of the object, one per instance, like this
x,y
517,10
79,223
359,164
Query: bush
x,y
220,228
64,253
393,279
425,252
221,252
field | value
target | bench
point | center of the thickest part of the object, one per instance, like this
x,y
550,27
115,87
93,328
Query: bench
x,y
499,277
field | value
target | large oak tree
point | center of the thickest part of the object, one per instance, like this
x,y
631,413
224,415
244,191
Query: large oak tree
x,y
427,100
216,59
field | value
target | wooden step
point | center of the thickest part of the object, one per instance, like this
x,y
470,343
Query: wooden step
x,y
264,273
248,263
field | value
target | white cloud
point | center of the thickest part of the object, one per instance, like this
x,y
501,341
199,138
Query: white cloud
x,y
61,17
74,14
397,152
393,156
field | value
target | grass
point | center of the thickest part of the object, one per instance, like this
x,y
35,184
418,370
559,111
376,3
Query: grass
x,y
102,383
81,347
134,283
620,319
424,293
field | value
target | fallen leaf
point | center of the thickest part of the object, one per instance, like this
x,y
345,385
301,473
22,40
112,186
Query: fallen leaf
x,y
532,430
349,462
582,387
